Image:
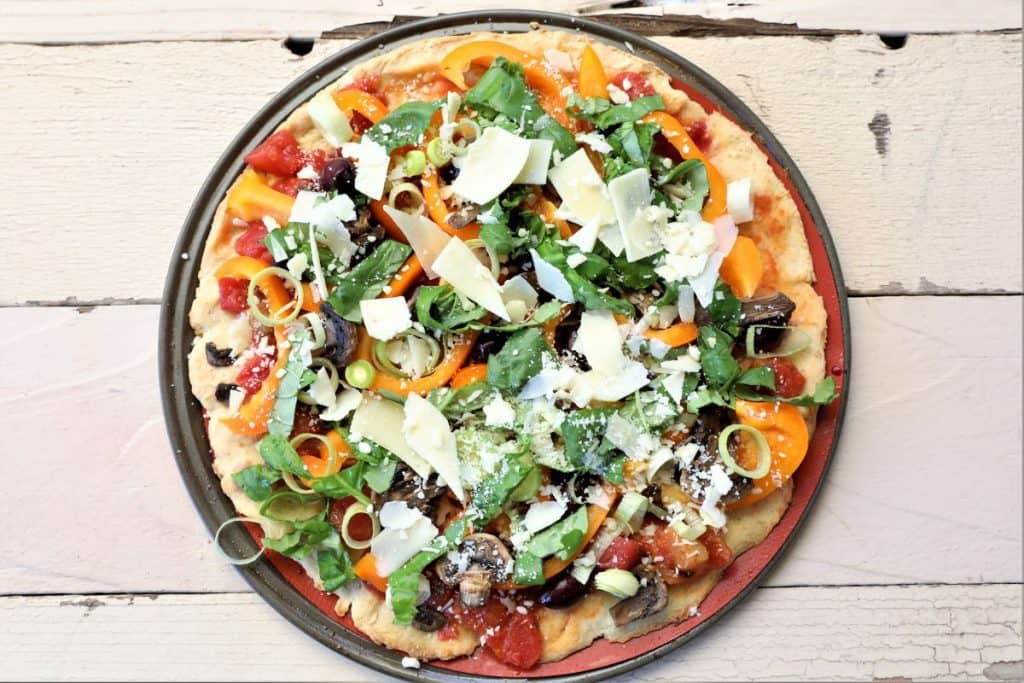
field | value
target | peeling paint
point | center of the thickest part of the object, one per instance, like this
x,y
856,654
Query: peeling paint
x,y
88,603
881,127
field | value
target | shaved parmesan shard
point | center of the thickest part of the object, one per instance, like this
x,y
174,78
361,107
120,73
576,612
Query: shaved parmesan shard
x,y
595,141
427,431
611,237
371,166
599,341
582,191
462,269
704,284
739,199
535,172
631,197
329,119
586,237
725,234
491,164
544,514
380,421
425,237
518,288
631,378
551,280
687,309
321,389
385,318
302,207
395,545
344,403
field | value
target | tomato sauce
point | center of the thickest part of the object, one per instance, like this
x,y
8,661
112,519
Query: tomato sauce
x,y
633,84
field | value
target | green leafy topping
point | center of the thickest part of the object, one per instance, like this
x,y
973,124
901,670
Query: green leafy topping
x,y
304,537
279,455
824,393
282,415
585,446
716,360
440,307
584,290
347,482
529,570
520,358
563,538
725,310
763,377
257,481
335,567
688,182
403,126
368,279
502,90
603,114
379,477
631,145
509,230
489,496
404,582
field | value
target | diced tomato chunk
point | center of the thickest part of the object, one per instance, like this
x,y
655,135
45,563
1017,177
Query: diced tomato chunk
x,y
288,186
518,642
480,620
360,124
789,381
307,421
250,242
698,132
233,293
633,84
622,553
719,554
367,84
255,370
279,154
675,558
317,158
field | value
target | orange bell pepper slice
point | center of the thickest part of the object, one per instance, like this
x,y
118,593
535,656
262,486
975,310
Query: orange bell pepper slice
x,y
593,81
251,199
454,359
247,268
366,570
390,227
676,335
439,211
252,417
405,278
548,82
786,432
551,325
676,135
351,101
742,268
548,211
471,374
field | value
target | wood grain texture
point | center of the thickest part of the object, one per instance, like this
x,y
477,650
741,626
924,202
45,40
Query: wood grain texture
x,y
929,464
878,133
65,21
923,633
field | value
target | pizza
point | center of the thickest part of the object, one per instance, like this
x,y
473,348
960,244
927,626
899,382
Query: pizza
x,y
510,344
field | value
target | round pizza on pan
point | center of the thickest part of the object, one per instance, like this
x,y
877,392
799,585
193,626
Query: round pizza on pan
x,y
510,344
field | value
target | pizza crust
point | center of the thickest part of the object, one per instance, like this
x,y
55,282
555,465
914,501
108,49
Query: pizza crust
x,y
778,233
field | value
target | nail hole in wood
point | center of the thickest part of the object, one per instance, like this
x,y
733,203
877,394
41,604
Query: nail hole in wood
x,y
299,47
893,41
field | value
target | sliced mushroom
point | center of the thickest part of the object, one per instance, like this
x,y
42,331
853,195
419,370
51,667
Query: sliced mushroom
x,y
693,478
366,234
482,561
410,488
650,599
463,216
428,619
219,358
775,310
340,346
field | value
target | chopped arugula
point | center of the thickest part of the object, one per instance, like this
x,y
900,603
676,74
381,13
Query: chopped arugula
x,y
403,126
520,358
404,582
716,360
585,291
335,567
585,446
368,279
347,482
490,495
279,455
257,481
440,307
457,402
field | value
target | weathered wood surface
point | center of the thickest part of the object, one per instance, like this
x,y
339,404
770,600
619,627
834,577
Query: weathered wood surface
x,y
929,465
65,21
921,633
914,154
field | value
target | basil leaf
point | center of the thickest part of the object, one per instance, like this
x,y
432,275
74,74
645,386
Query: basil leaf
x,y
303,538
586,108
720,368
257,481
278,454
347,482
585,446
282,415
520,358
503,90
563,538
368,279
758,377
584,290
335,569
634,142
404,582
439,307
629,111
403,126
529,570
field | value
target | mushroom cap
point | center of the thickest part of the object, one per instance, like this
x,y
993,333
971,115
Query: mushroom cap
x,y
652,597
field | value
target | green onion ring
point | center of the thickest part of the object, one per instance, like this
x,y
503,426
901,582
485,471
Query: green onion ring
x,y
350,512
293,507
764,455
290,482
690,526
238,562
407,188
295,304
332,452
414,163
436,152
457,149
332,377
360,374
384,364
492,256
316,326
802,342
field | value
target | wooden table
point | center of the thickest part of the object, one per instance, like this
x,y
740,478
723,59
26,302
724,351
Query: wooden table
x,y
910,567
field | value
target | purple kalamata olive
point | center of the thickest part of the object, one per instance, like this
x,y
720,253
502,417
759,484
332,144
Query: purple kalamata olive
x,y
219,358
448,172
562,592
338,174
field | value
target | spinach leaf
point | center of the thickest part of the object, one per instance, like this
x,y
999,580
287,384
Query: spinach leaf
x,y
763,377
520,358
545,312
716,360
403,126
503,90
282,415
624,275
457,402
489,496
257,481
279,455
634,142
511,232
725,310
335,568
305,536
585,446
439,307
585,291
368,279
404,582
347,482
563,538
379,477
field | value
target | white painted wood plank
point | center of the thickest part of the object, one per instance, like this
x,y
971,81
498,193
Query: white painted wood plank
x,y
925,487
64,21
923,633
933,205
